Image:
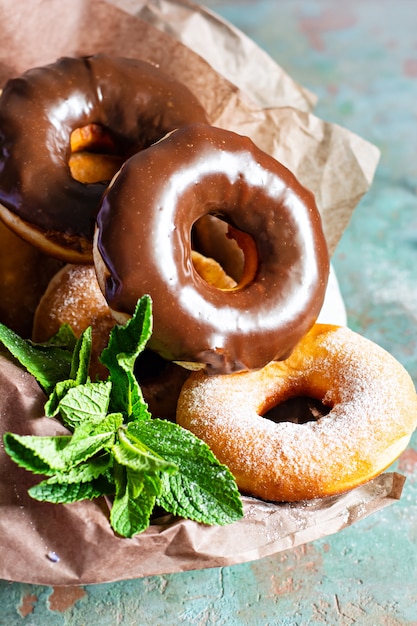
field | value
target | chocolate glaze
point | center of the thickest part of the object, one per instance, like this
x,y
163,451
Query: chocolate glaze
x,y
143,236
134,100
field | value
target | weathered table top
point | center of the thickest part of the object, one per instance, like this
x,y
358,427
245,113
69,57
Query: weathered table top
x,y
360,58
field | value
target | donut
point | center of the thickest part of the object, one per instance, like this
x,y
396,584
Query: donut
x,y
132,101
143,245
366,414
24,275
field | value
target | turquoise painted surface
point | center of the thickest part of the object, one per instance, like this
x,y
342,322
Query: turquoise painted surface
x,y
360,58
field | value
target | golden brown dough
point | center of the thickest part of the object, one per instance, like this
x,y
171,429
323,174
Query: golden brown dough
x,y
94,157
89,167
211,238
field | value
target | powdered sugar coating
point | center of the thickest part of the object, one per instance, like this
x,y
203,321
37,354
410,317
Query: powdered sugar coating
x,y
373,414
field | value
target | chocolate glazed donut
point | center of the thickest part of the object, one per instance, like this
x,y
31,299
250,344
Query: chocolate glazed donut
x,y
144,228
134,101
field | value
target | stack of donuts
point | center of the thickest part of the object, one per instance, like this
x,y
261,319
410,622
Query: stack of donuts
x,y
116,185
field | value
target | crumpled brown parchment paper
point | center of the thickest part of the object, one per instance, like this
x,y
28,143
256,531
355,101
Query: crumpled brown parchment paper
x,y
74,544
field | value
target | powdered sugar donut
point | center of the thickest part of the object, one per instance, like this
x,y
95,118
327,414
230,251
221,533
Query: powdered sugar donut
x,y
368,414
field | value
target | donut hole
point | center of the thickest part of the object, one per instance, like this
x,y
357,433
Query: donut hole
x,y
96,155
223,255
298,410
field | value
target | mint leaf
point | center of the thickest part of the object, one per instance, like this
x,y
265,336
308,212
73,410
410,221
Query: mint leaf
x,y
81,356
86,472
47,455
88,401
40,455
134,454
81,449
47,363
132,506
60,491
109,424
64,338
125,345
203,489
86,481
78,374
201,501
57,394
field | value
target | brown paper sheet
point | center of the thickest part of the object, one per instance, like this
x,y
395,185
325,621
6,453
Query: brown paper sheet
x,y
74,544
229,51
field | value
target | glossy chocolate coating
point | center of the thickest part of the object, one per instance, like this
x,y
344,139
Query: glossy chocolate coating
x,y
134,100
144,228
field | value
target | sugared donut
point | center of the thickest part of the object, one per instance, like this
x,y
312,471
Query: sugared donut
x,y
371,406
144,229
133,101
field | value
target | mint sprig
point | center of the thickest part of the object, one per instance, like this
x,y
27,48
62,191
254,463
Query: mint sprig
x,y
113,446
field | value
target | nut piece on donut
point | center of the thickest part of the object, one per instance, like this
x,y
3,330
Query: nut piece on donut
x,y
372,413
143,245
128,103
